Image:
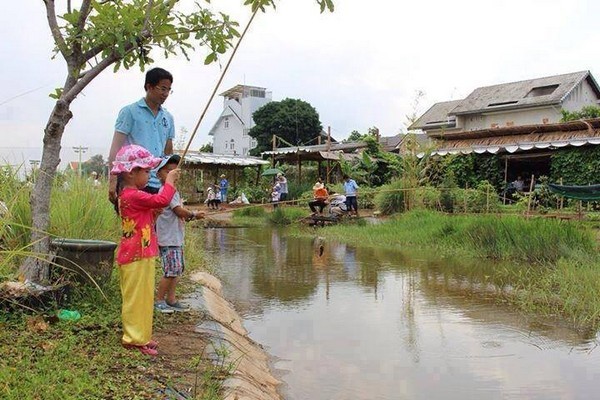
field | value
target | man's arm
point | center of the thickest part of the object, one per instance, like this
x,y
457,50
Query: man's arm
x,y
119,139
169,147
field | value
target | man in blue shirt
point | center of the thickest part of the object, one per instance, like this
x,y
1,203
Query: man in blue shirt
x,y
351,188
147,124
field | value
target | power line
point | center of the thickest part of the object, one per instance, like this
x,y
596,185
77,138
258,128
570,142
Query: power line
x,y
22,94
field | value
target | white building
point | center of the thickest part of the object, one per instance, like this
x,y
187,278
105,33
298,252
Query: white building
x,y
230,131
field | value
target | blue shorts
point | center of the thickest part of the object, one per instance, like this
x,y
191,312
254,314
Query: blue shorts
x,y
171,258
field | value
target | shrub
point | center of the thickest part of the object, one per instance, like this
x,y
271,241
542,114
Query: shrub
x,y
428,198
392,198
481,199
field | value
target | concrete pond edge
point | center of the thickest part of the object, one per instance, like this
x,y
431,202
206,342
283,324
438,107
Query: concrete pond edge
x,y
251,378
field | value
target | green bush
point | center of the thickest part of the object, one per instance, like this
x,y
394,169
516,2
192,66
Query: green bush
x,y
392,198
482,198
428,198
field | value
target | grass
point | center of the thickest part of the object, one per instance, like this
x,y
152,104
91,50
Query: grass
x,y
47,358
537,240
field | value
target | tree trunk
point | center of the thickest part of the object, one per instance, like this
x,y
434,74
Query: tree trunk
x,y
36,266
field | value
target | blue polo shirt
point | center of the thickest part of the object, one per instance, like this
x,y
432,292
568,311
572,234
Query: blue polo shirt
x,y
138,123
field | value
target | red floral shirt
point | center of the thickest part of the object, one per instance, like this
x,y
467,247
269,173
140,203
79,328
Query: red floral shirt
x,y
137,209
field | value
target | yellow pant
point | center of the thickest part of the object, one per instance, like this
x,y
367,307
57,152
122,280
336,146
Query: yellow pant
x,y
137,290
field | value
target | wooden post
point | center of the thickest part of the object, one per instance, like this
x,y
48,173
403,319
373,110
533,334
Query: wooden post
x,y
505,178
299,169
273,155
561,197
328,149
257,175
530,194
465,197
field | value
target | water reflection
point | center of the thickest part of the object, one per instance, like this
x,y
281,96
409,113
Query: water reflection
x,y
357,323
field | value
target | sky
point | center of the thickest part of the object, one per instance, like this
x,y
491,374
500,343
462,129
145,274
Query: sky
x,y
360,66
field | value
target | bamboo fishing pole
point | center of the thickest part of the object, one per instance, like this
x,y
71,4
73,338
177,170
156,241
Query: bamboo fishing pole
x,y
187,147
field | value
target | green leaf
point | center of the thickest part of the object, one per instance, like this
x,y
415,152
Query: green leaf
x,y
212,57
57,93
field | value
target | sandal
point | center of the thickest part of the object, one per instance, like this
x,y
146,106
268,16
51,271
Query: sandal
x,y
153,344
147,350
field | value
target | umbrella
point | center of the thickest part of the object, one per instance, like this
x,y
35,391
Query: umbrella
x,y
272,172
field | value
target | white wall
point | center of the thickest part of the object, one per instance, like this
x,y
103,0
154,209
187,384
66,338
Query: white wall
x,y
540,115
222,134
583,95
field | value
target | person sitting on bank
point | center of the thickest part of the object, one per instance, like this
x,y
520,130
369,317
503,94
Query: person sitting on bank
x,y
337,205
320,198
519,184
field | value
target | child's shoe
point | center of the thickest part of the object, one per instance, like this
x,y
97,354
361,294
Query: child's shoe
x,y
177,306
143,349
163,307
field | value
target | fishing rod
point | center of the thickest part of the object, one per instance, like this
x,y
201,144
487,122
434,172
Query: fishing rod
x,y
187,147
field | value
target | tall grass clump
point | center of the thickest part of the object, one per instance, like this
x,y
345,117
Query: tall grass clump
x,y
250,211
532,240
81,210
286,215
392,198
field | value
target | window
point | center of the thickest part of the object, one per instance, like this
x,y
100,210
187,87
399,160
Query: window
x,y
253,143
232,144
257,93
226,122
542,91
503,103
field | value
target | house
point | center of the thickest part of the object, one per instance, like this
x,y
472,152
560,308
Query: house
x,y
401,143
230,131
529,102
519,122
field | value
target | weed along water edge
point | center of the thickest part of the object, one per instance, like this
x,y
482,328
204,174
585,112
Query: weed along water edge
x,y
352,322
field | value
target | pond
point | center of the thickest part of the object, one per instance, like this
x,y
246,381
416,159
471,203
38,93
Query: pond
x,y
346,322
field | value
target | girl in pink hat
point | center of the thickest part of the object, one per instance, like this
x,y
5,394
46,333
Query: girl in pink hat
x,y
138,249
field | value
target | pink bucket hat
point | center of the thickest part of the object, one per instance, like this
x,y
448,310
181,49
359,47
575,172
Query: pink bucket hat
x,y
132,156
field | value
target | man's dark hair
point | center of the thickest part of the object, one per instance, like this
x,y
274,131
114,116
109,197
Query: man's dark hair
x,y
155,75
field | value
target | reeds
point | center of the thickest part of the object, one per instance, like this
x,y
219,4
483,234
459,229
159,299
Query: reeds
x,y
539,241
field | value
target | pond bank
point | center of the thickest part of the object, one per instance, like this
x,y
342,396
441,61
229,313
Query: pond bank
x,y
250,377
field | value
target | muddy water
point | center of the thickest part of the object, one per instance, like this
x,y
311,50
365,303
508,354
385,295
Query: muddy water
x,y
356,323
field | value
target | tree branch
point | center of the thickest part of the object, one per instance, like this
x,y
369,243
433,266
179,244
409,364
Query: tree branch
x,y
84,12
55,30
83,79
147,17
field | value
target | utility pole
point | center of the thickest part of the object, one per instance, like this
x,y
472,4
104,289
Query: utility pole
x,y
79,150
34,166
